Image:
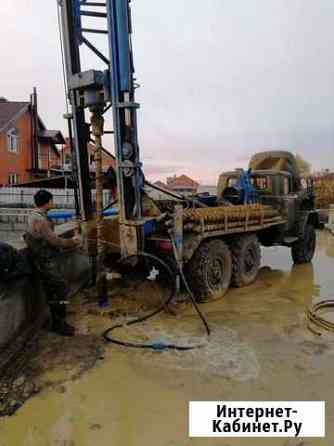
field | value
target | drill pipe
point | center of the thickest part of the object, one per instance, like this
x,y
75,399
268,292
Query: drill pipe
x,y
231,226
232,213
228,218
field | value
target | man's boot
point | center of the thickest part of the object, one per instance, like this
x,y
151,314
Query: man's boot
x,y
58,320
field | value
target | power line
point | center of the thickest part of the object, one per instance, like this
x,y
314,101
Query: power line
x,y
62,56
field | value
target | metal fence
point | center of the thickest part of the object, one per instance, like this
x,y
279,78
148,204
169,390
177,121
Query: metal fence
x,y
17,197
16,219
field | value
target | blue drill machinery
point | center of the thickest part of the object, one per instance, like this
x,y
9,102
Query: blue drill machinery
x,y
243,191
99,91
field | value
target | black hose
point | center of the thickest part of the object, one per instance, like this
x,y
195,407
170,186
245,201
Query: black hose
x,y
190,293
316,321
157,346
111,204
194,303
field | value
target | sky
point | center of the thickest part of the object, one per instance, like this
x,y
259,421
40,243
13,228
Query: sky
x,y
220,79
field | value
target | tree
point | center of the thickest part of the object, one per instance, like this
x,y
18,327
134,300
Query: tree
x,y
303,165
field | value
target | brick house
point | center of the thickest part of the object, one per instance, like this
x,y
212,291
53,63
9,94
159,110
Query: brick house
x,y
182,184
28,150
107,158
161,185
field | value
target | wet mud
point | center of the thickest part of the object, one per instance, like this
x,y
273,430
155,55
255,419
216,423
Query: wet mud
x,y
91,393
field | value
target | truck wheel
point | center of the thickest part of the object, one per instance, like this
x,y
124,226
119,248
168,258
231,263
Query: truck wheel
x,y
246,258
303,249
210,270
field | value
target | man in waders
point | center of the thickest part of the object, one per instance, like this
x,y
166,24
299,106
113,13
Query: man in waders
x,y
45,249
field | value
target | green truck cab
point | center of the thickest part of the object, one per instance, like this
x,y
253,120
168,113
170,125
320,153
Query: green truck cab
x,y
278,183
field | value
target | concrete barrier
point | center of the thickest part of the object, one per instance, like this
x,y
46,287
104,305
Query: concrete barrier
x,y
23,301
16,219
13,311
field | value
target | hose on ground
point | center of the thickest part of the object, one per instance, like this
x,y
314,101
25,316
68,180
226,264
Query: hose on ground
x,y
190,293
157,346
315,321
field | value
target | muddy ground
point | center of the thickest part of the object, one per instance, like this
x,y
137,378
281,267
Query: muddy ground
x,y
89,393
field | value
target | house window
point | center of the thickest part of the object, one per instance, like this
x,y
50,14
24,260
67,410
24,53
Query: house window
x,y
231,182
68,159
92,162
67,162
13,141
39,153
13,178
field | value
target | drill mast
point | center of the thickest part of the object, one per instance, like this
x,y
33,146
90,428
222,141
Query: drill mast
x,y
99,91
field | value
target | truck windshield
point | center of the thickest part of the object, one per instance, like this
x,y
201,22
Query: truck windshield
x,y
232,181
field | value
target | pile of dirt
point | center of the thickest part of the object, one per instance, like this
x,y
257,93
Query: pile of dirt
x,y
14,393
50,360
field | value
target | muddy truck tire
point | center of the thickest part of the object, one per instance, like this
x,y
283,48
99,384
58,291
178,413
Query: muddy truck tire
x,y
209,271
303,249
246,260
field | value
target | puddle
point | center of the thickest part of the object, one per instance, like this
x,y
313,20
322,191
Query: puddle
x,y
223,354
260,349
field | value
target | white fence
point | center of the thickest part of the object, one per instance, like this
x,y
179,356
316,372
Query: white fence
x,y
24,197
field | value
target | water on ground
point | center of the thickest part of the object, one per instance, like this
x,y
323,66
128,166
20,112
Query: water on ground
x,y
260,349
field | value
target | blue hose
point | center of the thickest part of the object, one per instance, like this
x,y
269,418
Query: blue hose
x,y
68,215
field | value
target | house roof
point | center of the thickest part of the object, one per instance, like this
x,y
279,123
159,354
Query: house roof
x,y
55,181
91,147
160,184
181,181
51,136
10,112
42,129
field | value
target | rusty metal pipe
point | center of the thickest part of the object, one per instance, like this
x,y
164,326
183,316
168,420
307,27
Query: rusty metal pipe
x,y
97,122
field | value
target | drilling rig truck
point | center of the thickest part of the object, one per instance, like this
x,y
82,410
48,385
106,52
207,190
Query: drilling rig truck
x,y
214,245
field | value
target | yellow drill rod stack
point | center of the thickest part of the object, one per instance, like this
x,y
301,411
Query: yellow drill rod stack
x,y
228,217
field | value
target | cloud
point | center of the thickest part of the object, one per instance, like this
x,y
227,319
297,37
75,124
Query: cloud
x,y
155,169
220,80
